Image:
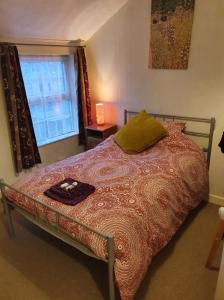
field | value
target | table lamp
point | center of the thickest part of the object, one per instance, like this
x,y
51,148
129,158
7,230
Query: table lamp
x,y
100,114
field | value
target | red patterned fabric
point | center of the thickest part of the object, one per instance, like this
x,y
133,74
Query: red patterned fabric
x,y
173,127
84,98
24,145
141,199
86,86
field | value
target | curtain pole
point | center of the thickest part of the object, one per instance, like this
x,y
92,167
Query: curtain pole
x,y
30,44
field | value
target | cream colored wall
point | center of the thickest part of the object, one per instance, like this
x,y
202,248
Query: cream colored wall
x,y
118,56
49,153
6,163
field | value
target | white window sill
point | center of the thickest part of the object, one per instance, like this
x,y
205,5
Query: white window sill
x,y
58,138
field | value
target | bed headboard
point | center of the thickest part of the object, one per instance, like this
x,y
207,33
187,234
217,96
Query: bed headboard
x,y
205,135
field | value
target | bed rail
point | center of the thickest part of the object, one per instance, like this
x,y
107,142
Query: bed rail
x,y
208,135
57,231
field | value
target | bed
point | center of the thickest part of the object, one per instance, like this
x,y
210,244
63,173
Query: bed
x,y
139,203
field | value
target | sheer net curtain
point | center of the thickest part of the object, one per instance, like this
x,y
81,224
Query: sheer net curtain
x,y
48,94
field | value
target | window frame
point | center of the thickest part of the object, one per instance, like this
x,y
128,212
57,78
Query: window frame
x,y
71,78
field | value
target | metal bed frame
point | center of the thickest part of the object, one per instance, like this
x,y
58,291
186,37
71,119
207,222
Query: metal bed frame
x,y
209,135
57,231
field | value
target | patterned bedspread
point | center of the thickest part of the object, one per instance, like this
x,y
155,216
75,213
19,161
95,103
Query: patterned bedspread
x,y
141,199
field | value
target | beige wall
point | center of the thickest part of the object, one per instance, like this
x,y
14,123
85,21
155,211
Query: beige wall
x,y
49,153
118,56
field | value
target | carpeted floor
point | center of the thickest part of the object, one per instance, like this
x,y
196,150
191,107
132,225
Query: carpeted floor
x,y
36,266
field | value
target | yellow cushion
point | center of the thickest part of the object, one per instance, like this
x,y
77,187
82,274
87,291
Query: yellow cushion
x,y
139,133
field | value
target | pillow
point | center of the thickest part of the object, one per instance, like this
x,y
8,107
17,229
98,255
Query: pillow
x,y
139,133
173,127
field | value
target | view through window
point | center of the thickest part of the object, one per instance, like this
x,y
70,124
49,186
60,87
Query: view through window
x,y
47,83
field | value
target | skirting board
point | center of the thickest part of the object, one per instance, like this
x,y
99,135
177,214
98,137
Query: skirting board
x,y
216,199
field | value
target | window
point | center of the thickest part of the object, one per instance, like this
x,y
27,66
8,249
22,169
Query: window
x,y
52,102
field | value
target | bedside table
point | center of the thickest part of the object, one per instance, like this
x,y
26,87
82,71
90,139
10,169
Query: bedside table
x,y
95,134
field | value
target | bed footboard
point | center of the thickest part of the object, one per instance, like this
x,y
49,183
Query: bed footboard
x,y
55,230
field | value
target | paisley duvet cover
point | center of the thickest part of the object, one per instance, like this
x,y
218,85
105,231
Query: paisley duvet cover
x,y
141,199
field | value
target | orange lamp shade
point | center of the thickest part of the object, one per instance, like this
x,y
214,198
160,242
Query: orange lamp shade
x,y
100,114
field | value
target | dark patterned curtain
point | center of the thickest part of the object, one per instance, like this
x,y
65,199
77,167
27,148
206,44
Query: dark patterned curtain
x,y
84,99
25,150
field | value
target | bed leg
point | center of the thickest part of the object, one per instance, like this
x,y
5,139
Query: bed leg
x,y
215,244
7,210
111,268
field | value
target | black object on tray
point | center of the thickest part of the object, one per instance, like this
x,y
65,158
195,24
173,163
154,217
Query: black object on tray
x,y
70,191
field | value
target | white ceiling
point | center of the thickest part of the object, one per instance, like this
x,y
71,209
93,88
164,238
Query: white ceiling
x,y
55,19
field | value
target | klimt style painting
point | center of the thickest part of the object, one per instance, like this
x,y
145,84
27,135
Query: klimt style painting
x,y
171,27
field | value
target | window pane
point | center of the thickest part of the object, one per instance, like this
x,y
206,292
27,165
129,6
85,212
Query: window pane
x,y
40,131
52,127
37,111
48,94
